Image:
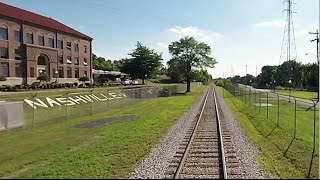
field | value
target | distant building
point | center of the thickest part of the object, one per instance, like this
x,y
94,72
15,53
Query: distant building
x,y
105,76
32,44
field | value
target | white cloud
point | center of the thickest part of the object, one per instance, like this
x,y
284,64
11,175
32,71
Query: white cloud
x,y
162,45
206,36
271,24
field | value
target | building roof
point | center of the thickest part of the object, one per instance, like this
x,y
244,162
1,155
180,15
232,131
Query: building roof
x,y
95,71
30,17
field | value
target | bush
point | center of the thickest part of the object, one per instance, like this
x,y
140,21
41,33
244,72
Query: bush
x,y
3,78
84,78
44,77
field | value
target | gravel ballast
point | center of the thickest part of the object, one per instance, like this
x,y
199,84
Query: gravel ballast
x,y
246,152
154,165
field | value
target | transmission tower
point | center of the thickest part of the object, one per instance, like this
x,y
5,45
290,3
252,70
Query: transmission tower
x,y
288,49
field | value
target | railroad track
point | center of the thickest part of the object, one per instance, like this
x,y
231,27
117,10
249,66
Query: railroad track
x,y
206,150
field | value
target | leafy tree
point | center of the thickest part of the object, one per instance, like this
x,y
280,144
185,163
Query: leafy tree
x,y
44,78
144,63
190,53
176,71
101,63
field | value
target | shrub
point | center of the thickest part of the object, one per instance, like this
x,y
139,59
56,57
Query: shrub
x,y
84,78
44,77
3,78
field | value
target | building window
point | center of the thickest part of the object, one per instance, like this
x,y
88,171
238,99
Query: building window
x,y
3,33
29,38
85,73
85,49
76,47
76,73
17,36
69,60
69,45
17,54
60,72
41,40
18,70
69,75
4,53
51,42
76,61
60,44
61,59
4,69
85,61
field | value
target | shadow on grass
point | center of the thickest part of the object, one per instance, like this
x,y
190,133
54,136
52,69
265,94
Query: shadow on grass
x,y
272,131
286,151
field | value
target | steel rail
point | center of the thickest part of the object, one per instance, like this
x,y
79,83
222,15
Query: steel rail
x,y
223,159
184,157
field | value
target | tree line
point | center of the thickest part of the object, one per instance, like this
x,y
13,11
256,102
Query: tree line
x,y
291,74
189,60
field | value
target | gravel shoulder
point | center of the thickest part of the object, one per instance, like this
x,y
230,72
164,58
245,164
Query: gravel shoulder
x,y
246,152
154,165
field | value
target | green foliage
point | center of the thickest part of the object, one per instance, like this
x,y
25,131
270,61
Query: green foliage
x,y
145,63
3,78
44,77
187,53
84,78
101,63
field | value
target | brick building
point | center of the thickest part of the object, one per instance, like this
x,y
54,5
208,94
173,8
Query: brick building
x,y
31,45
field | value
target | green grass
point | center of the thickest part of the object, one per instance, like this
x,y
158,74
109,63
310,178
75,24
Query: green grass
x,y
277,156
111,151
300,94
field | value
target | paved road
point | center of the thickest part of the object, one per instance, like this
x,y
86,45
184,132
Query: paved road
x,y
307,102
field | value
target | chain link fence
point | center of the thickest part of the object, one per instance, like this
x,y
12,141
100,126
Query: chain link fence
x,y
290,123
40,110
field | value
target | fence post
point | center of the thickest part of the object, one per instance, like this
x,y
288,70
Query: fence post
x,y
66,115
91,108
259,101
249,97
278,111
295,117
314,137
267,105
33,110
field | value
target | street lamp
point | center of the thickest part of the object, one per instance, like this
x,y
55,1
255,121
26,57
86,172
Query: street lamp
x,y
56,72
290,89
274,86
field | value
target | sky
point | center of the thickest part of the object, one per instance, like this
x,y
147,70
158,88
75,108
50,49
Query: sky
x,y
242,34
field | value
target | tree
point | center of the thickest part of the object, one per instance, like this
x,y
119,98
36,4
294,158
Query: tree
x,y
191,54
43,78
176,71
101,63
144,63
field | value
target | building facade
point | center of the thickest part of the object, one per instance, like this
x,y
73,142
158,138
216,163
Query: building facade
x,y
32,45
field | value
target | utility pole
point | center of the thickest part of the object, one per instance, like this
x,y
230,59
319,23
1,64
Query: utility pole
x,y
317,41
246,70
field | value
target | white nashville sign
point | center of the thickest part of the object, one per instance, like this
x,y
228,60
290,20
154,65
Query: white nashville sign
x,y
48,102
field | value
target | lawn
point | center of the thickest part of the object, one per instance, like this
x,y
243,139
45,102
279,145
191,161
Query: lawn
x,y
300,94
60,151
281,155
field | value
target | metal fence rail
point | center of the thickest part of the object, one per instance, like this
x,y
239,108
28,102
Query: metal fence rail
x,y
277,109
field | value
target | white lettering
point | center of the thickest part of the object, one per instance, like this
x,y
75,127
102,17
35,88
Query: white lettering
x,y
94,97
114,95
122,94
86,97
51,102
39,103
106,98
66,102
77,99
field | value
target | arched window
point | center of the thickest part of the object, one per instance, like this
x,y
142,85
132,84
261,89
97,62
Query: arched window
x,y
42,60
41,40
3,32
51,42
30,37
